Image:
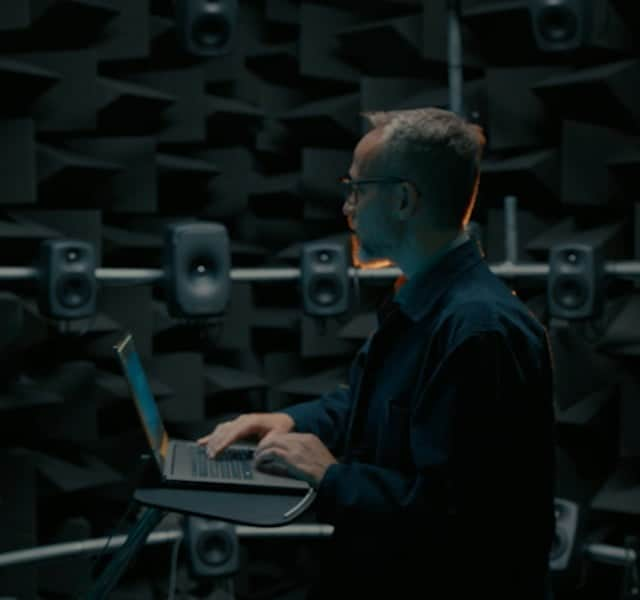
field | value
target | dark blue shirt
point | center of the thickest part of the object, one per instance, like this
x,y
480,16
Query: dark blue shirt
x,y
445,437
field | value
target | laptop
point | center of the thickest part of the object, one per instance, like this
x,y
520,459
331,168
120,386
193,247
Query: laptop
x,y
184,462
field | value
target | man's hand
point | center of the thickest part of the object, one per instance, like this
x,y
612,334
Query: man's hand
x,y
258,424
301,455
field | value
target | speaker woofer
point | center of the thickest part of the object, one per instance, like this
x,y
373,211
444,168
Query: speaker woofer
x,y
74,290
570,293
557,23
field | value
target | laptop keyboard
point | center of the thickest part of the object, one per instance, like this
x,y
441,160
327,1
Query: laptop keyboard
x,y
232,463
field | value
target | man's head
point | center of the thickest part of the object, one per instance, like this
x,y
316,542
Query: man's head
x,y
424,164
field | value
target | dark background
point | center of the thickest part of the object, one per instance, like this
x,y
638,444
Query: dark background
x,y
109,130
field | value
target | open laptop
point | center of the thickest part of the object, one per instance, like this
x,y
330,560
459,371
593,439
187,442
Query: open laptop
x,y
183,461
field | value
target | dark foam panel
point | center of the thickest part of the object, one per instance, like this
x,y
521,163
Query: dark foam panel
x,y
389,47
134,187
435,37
502,31
184,121
586,148
629,415
283,11
18,523
15,15
69,574
183,373
77,224
37,25
534,178
71,103
611,89
63,476
318,45
12,318
321,339
67,179
228,192
220,378
621,492
18,154
621,337
127,35
128,306
516,116
389,93
319,187
530,224
131,109
23,82
538,247
333,122
236,328
580,370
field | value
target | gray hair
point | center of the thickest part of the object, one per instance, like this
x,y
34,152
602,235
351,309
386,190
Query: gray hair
x,y
437,150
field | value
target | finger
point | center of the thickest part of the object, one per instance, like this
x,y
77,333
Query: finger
x,y
273,437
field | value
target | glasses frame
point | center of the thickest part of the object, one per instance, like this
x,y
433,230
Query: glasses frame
x,y
351,185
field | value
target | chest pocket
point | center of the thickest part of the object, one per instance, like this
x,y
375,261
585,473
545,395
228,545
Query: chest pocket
x,y
394,447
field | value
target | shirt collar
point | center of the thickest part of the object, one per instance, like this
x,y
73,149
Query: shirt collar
x,y
418,294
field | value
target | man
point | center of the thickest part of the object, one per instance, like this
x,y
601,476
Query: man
x,y
436,463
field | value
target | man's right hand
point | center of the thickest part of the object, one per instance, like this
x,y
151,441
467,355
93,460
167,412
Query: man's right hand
x,y
258,424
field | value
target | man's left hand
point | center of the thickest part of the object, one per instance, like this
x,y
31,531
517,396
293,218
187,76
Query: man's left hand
x,y
300,455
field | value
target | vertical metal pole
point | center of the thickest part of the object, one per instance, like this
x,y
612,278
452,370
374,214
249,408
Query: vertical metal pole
x,y
135,540
454,56
511,229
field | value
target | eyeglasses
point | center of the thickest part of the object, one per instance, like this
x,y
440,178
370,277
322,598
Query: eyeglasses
x,y
351,187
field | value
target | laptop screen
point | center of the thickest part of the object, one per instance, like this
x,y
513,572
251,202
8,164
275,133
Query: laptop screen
x,y
145,403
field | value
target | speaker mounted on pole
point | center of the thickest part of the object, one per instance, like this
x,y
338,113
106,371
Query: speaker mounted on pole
x,y
325,279
206,28
197,263
575,286
212,547
67,285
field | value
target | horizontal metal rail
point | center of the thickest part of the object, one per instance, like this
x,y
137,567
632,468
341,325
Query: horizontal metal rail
x,y
505,269
603,553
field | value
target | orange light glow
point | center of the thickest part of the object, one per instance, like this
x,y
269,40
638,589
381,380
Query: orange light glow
x,y
379,263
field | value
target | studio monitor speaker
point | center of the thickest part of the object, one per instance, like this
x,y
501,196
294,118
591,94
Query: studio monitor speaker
x,y
212,547
206,27
565,547
197,265
66,279
325,278
575,283
566,25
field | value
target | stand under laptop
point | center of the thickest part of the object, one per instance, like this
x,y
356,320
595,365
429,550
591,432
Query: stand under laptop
x,y
258,508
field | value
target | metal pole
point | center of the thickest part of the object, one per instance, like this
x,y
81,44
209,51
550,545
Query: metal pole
x,y
96,545
511,229
603,553
454,58
630,268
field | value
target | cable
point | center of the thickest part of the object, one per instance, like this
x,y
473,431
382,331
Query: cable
x,y
124,517
173,569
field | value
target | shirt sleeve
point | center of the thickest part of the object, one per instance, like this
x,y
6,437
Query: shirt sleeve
x,y
325,416
458,432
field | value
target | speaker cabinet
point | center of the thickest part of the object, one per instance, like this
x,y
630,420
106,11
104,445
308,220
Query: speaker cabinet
x,y
566,25
66,279
206,27
575,287
565,547
325,279
197,265
212,547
